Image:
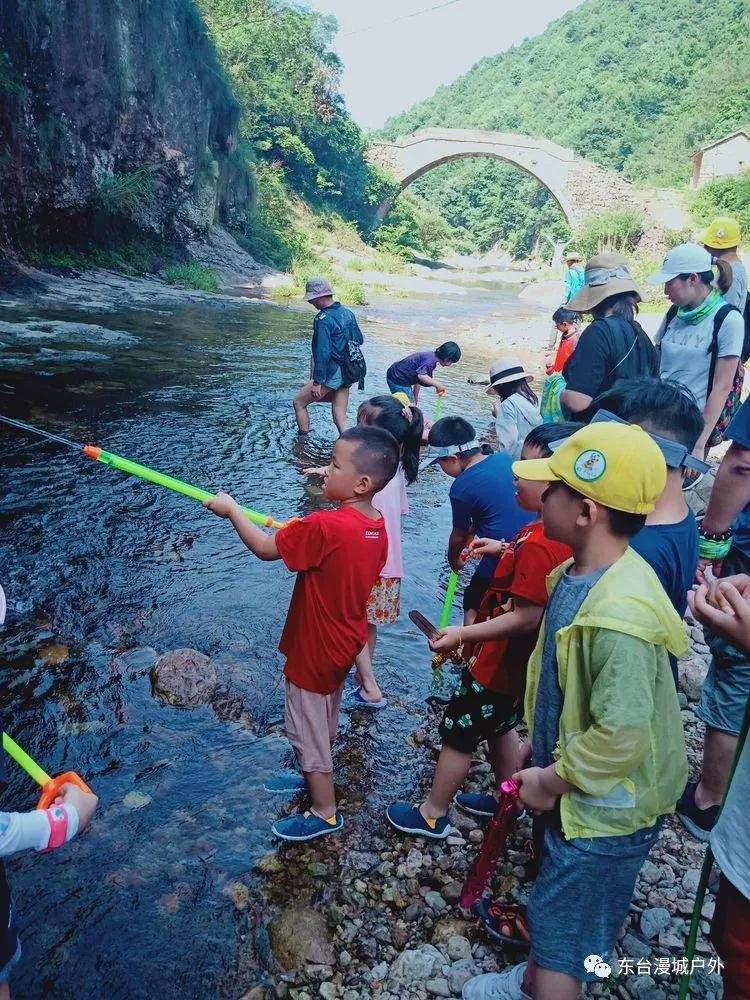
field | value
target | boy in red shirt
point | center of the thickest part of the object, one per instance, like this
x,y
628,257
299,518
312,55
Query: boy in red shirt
x,y
488,701
338,555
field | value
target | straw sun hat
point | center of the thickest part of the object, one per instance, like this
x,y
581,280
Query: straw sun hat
x,y
506,370
606,274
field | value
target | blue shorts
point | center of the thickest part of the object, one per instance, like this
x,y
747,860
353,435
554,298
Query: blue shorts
x,y
336,380
726,689
395,387
581,897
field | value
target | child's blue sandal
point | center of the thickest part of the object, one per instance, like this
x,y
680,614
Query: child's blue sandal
x,y
306,826
408,819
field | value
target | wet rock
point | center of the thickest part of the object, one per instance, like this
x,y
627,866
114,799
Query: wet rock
x,y
435,901
136,800
300,936
378,972
650,873
255,993
635,947
438,987
52,654
451,892
654,919
238,893
412,912
184,678
690,880
692,673
328,991
458,947
416,965
460,973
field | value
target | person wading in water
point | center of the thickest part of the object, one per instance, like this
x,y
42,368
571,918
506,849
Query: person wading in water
x,y
334,328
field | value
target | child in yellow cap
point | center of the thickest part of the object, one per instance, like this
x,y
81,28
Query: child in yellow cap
x,y
721,238
606,758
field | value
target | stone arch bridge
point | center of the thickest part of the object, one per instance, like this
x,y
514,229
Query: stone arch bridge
x,y
580,187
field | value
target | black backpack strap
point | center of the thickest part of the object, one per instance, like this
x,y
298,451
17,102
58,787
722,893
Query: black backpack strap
x,y
719,316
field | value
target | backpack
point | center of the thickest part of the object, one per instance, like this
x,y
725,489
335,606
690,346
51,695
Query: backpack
x,y
353,365
732,403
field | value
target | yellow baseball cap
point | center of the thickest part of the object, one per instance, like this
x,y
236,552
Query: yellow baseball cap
x,y
616,465
723,232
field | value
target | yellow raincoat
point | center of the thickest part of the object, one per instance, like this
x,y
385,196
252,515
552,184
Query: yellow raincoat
x,y
621,743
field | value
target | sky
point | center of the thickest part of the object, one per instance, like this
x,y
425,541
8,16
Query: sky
x,y
390,64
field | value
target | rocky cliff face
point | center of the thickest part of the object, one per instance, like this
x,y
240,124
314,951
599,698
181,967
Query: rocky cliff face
x,y
119,105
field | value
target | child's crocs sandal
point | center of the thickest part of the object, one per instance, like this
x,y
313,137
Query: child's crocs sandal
x,y
355,701
305,826
505,922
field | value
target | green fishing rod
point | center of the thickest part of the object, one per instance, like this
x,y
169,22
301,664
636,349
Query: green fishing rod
x,y
131,468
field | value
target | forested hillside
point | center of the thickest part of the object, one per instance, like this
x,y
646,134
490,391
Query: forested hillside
x,y
635,85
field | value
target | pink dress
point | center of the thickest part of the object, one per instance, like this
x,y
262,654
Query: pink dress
x,y
384,604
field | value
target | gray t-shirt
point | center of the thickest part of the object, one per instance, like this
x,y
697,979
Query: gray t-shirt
x,y
564,604
730,840
685,350
736,294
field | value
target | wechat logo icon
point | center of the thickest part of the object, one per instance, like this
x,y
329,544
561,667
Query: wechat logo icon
x,y
597,965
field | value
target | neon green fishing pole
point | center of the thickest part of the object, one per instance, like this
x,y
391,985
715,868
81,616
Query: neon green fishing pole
x,y
51,787
438,411
450,594
140,471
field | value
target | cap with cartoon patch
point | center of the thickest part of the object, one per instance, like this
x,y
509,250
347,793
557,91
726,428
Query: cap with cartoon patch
x,y
616,465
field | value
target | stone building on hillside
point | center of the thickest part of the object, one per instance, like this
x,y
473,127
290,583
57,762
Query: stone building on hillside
x,y
726,157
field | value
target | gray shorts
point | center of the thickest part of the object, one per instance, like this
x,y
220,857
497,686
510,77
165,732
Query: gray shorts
x,y
726,689
581,897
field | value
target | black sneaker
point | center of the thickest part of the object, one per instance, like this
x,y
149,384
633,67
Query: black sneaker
x,y
700,822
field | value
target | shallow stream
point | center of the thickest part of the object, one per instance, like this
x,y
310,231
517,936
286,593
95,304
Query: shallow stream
x,y
102,573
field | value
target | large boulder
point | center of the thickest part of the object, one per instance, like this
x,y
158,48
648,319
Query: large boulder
x,y
300,936
184,678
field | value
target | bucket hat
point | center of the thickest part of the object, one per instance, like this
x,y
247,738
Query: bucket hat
x,y
722,233
606,274
687,258
317,288
506,370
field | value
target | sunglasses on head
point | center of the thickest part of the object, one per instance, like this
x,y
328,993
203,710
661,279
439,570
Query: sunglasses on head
x,y
676,455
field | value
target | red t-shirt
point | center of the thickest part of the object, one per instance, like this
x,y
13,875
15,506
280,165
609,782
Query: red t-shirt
x,y
338,555
522,571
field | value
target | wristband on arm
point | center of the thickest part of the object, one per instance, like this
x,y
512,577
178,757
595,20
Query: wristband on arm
x,y
714,544
63,826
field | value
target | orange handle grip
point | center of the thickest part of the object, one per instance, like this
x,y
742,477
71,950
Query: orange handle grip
x,y
51,790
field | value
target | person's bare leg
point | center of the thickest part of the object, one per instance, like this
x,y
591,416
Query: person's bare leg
x,y
4,991
542,984
370,690
301,402
503,755
339,406
450,774
322,793
718,754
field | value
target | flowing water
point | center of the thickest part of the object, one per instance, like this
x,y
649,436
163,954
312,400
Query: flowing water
x,y
102,573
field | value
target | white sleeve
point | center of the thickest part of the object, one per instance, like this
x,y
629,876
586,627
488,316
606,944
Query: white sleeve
x,y
661,331
731,335
506,426
31,830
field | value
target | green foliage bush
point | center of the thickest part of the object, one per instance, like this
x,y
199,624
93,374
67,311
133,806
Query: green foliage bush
x,y
614,230
287,79
728,196
125,195
413,225
192,275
